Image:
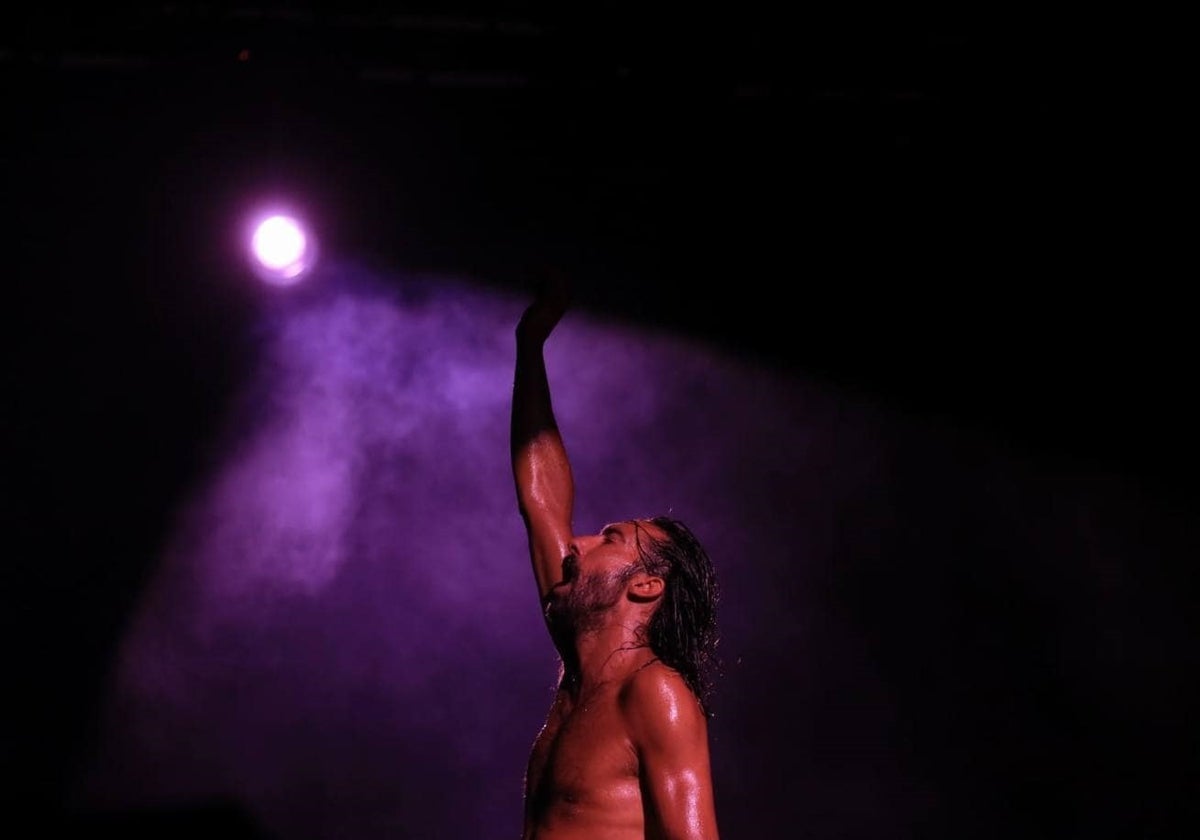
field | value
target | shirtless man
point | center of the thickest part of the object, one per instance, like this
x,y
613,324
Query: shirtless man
x,y
623,754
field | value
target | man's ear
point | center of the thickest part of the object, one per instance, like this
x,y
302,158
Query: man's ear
x,y
644,588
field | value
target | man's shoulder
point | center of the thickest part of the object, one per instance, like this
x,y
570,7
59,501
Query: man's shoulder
x,y
653,679
656,697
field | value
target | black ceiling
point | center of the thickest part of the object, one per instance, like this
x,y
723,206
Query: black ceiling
x,y
949,211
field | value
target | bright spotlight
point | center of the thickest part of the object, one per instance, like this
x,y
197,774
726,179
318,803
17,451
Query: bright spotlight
x,y
283,252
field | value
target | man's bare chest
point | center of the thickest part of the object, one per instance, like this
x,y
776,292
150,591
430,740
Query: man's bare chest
x,y
582,751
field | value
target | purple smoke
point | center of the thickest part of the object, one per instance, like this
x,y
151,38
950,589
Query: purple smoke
x,y
344,636
346,606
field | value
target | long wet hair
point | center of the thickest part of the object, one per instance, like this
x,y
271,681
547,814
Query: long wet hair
x,y
682,632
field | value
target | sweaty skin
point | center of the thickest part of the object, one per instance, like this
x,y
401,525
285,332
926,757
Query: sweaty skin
x,y
627,761
623,754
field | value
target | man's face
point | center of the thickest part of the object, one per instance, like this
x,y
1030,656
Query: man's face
x,y
595,575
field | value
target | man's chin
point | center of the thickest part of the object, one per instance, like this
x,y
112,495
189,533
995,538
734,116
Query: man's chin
x,y
559,620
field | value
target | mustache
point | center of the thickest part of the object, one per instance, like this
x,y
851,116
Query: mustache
x,y
570,567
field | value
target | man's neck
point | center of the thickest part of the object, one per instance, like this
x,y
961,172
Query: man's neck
x,y
610,653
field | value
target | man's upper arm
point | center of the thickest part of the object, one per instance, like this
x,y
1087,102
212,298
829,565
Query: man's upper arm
x,y
545,492
669,732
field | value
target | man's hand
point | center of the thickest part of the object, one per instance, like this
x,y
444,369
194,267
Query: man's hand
x,y
540,318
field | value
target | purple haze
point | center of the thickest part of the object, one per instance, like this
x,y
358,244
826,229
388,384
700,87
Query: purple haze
x,y
343,636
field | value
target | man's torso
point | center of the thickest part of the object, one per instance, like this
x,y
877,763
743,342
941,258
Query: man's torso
x,y
582,780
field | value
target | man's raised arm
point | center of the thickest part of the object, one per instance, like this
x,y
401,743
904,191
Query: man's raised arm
x,y
541,470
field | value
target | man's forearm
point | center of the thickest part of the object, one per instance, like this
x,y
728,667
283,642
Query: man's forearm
x,y
532,410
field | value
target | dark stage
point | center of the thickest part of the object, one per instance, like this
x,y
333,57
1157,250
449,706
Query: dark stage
x,y
887,305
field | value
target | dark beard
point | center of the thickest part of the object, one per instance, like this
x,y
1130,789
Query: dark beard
x,y
581,610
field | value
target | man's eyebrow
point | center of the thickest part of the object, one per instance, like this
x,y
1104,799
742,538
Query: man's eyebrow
x,y
613,530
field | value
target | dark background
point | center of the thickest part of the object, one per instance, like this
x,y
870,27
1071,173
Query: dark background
x,y
960,216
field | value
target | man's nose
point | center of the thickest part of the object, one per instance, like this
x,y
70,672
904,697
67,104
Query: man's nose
x,y
581,545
